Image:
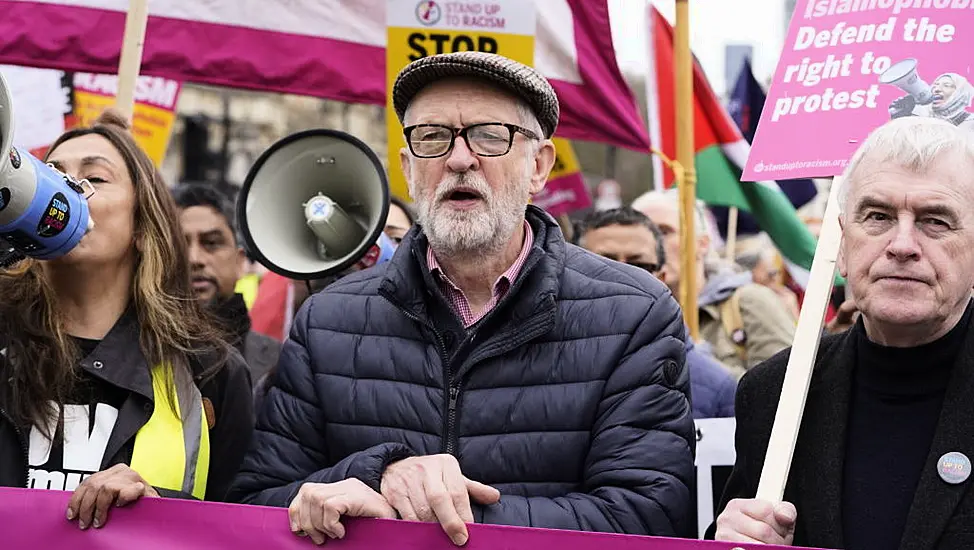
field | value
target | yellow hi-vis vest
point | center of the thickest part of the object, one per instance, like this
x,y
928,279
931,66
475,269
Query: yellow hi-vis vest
x,y
170,453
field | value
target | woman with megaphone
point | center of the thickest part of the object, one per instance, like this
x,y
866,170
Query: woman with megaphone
x,y
117,386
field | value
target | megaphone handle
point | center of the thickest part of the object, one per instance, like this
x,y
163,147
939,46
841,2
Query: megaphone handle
x,y
9,255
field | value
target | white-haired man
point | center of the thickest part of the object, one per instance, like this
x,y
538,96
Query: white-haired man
x,y
744,323
882,459
490,371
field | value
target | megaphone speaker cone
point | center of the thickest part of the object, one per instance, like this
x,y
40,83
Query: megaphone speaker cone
x,y
898,70
313,204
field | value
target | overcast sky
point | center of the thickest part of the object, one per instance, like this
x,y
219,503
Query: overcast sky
x,y
713,25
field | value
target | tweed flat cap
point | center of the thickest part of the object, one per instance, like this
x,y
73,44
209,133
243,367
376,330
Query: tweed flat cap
x,y
520,79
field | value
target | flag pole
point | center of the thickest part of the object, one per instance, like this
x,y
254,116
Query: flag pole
x,y
687,176
130,60
731,233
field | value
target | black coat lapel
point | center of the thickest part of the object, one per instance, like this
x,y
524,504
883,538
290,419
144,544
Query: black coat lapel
x,y
935,499
820,452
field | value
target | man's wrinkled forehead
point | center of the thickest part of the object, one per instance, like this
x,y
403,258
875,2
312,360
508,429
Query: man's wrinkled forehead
x,y
950,174
451,97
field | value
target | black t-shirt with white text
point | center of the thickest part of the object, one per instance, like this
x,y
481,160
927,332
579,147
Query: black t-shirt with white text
x,y
81,435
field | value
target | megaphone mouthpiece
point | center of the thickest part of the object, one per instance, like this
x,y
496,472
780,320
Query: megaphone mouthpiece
x,y
337,233
43,212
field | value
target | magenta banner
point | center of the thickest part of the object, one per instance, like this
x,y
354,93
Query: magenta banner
x,y
564,195
34,520
333,50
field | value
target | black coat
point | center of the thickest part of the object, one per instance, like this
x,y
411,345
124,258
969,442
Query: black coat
x,y
941,516
121,363
570,397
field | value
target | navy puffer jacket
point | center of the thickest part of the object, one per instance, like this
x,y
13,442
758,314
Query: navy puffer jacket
x,y
571,397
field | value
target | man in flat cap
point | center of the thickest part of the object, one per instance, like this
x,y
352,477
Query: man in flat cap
x,y
490,372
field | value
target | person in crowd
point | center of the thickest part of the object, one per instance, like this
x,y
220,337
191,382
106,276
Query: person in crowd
x,y
399,220
744,322
840,314
491,372
627,235
758,255
882,459
113,374
952,95
217,261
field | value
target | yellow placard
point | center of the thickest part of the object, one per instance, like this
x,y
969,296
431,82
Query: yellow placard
x,y
566,163
152,117
419,29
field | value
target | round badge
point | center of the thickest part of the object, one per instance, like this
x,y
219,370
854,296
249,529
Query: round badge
x,y
954,468
739,336
14,158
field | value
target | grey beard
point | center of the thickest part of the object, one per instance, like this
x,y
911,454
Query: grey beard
x,y
470,235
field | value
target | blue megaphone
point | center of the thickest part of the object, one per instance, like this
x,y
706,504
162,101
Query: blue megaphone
x,y
43,212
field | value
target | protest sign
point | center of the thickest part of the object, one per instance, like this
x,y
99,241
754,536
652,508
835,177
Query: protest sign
x,y
848,67
565,190
420,29
714,461
40,105
154,114
32,518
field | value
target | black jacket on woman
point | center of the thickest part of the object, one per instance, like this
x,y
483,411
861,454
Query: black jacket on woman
x,y
119,367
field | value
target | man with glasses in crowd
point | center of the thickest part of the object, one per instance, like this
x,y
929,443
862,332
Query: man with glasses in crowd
x,y
627,235
491,372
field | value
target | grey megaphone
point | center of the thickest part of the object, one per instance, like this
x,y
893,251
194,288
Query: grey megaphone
x,y
903,75
313,204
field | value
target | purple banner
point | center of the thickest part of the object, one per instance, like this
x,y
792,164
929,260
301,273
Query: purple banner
x,y
34,519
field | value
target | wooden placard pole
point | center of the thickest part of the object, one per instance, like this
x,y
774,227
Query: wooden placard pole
x,y
687,178
130,60
808,334
731,233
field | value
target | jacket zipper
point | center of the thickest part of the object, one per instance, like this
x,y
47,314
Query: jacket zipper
x,y
453,392
23,446
451,420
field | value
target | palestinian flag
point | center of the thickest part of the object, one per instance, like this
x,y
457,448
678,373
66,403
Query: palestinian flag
x,y
721,152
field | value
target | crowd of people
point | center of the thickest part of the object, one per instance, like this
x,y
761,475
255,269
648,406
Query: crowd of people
x,y
502,367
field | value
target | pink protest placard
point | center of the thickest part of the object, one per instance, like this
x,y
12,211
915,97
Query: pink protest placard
x,y
849,66
32,519
564,195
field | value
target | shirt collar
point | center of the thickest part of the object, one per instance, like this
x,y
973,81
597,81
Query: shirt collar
x,y
506,277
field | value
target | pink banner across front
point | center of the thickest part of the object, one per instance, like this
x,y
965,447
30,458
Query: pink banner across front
x,y
324,48
34,519
848,67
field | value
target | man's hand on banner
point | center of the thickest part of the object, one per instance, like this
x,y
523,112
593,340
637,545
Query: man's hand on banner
x,y
317,509
753,520
116,486
433,489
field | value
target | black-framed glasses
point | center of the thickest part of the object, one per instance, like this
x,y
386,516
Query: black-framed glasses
x,y
489,139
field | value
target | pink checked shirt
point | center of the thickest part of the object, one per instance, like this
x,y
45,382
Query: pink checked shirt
x,y
501,286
